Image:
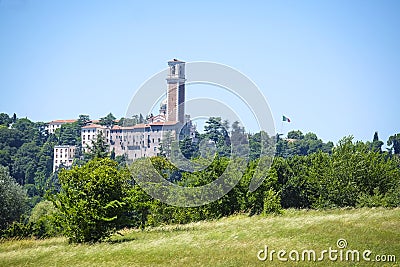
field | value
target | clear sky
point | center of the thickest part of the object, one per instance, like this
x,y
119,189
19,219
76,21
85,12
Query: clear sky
x,y
332,67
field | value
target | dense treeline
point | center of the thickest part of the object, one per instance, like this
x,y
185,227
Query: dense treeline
x,y
99,195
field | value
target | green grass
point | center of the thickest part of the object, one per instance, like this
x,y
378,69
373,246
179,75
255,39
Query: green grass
x,y
232,241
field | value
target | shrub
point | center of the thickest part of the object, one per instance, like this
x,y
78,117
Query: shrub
x,y
93,200
13,199
44,220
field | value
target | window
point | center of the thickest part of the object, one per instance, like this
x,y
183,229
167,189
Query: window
x,y
56,161
56,150
159,140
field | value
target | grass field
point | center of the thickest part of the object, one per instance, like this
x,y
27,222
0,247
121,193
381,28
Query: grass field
x,y
232,241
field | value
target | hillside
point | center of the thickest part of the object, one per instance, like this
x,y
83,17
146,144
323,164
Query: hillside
x,y
231,241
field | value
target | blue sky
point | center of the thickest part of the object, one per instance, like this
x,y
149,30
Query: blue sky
x,y
332,67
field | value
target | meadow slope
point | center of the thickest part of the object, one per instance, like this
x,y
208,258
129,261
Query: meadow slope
x,y
232,241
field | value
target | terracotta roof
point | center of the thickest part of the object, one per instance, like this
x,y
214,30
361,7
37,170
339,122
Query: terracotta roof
x,y
128,128
63,146
61,121
91,126
116,127
164,123
141,125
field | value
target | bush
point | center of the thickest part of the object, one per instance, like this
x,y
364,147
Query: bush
x,y
18,229
44,220
272,202
13,199
93,201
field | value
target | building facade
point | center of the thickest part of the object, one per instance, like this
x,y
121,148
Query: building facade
x,y
89,134
144,140
63,155
52,126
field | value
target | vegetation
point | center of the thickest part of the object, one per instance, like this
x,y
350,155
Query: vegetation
x,y
92,203
13,199
99,196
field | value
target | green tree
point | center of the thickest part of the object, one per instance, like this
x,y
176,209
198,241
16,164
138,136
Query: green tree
x,y
93,201
166,144
25,163
376,144
10,142
27,129
43,220
69,134
217,133
5,119
295,135
99,148
108,120
394,142
83,120
13,199
189,148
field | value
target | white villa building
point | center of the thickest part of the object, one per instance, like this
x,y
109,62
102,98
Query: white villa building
x,y
63,155
52,126
90,132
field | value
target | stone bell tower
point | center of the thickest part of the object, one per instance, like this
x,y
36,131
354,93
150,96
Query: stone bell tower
x,y
176,91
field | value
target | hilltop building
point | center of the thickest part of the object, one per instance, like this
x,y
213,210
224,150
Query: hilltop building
x,y
144,140
90,132
52,126
63,155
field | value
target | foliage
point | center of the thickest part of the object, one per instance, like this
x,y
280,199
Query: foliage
x,y
302,145
5,119
376,144
272,202
108,120
44,220
99,148
93,200
18,229
217,132
306,173
13,199
394,142
135,119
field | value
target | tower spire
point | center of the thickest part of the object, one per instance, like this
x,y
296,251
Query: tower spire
x,y
176,91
